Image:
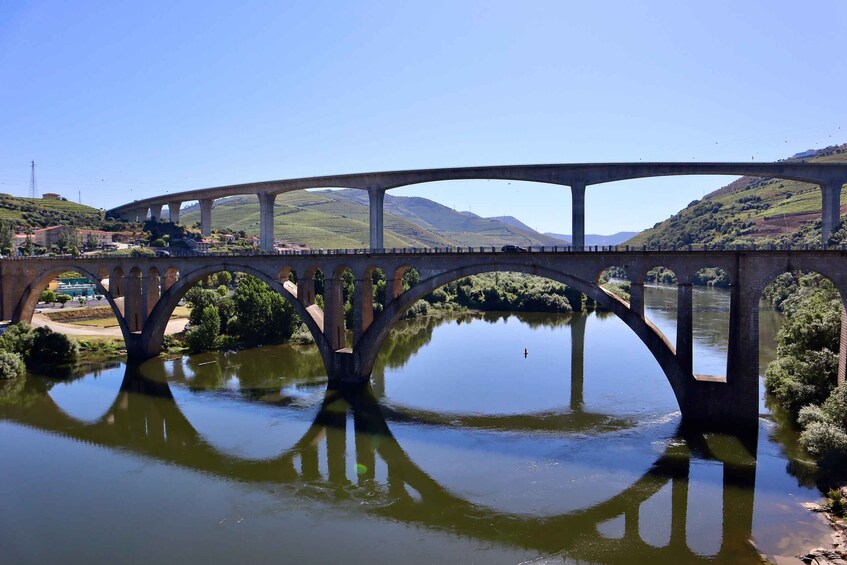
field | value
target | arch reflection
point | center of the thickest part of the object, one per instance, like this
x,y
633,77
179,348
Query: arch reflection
x,y
350,441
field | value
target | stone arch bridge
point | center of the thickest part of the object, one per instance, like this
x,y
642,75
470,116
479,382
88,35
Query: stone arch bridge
x,y
143,291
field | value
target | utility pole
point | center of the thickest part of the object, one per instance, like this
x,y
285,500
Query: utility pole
x,y
33,186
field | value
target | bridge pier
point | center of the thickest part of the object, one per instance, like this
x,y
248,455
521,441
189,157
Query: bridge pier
x,y
830,208
206,217
155,212
266,220
173,210
684,327
577,324
376,199
636,298
578,215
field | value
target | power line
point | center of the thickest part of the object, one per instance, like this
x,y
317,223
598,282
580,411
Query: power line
x,y
33,186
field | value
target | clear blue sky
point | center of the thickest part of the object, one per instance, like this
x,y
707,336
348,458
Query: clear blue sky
x,y
124,100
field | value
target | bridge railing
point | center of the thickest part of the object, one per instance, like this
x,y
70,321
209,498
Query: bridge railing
x,y
509,249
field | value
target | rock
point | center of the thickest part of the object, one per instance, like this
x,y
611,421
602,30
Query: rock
x,y
821,556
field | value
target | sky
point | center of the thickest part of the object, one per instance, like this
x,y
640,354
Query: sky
x,y
118,100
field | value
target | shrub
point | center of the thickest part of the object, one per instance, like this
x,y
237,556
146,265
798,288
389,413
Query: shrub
x,y
824,440
51,348
18,338
11,365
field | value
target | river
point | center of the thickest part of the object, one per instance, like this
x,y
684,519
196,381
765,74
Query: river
x,y
463,449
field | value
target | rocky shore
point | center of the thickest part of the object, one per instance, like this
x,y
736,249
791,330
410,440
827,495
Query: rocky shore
x,y
837,554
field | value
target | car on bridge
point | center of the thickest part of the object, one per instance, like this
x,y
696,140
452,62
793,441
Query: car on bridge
x,y
513,249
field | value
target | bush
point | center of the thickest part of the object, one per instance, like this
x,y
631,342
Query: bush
x,y
18,338
11,365
824,440
51,348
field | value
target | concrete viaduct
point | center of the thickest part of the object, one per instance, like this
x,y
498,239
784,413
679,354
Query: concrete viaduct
x,y
829,176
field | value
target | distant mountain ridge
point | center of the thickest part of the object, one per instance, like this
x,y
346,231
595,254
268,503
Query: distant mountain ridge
x,y
748,209
597,239
339,219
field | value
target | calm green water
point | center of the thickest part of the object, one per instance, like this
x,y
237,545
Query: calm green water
x,y
462,450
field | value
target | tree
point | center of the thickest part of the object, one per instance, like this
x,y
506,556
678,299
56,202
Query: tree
x,y
81,300
7,237
224,278
68,241
263,315
62,298
92,241
27,248
204,335
47,296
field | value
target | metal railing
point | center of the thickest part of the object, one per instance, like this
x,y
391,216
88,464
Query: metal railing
x,y
547,249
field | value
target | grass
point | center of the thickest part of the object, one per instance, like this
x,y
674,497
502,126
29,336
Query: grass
x,y
786,199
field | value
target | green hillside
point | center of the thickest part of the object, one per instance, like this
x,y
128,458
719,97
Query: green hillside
x,y
38,213
339,219
746,210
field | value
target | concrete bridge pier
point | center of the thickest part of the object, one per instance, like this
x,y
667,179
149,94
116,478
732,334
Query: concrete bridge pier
x,y
206,216
830,208
173,210
266,220
578,215
376,199
684,327
636,298
155,212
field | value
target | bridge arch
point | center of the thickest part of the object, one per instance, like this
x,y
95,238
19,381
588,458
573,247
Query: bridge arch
x,y
154,330
661,349
25,307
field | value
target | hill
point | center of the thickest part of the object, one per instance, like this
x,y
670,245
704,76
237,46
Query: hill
x,y
40,213
597,239
748,209
339,219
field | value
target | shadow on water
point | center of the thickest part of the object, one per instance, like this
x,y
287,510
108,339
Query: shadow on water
x,y
350,438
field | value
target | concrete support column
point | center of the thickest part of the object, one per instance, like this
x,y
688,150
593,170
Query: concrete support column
x,y
577,361
334,314
134,311
636,298
830,208
139,215
171,276
173,210
335,421
363,308
306,290
365,449
206,217
116,284
741,399
376,197
156,212
152,290
684,327
266,221
631,523
578,215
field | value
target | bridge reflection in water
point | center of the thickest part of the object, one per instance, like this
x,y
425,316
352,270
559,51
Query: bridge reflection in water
x,y
350,437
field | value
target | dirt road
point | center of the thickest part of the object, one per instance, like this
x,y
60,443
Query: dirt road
x,y
39,320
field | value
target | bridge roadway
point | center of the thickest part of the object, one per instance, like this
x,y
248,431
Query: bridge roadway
x,y
152,287
146,420
828,176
